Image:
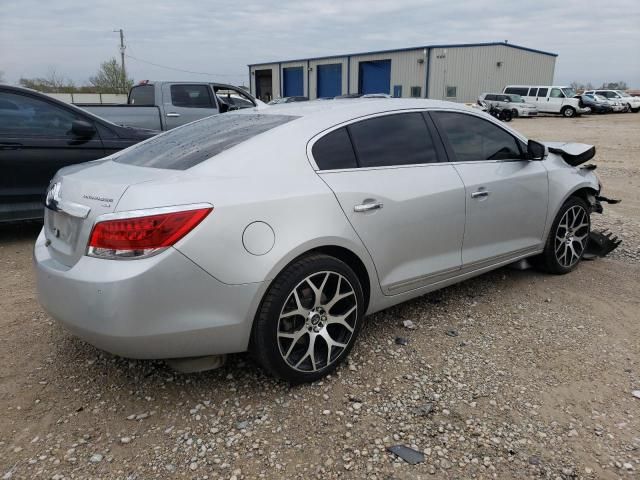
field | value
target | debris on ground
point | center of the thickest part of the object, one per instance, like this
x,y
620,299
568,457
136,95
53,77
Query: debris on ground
x,y
407,454
402,341
409,324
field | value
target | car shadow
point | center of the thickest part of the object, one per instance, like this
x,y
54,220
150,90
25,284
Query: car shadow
x,y
19,231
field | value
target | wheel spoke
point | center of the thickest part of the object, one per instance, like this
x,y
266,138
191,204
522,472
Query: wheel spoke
x,y
295,337
317,291
342,319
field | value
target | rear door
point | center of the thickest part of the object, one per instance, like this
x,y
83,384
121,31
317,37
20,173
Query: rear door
x,y
184,103
35,142
407,207
506,195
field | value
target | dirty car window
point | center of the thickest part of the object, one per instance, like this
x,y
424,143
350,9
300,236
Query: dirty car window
x,y
192,144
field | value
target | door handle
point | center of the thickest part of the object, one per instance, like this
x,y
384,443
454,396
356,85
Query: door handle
x,y
480,194
365,207
10,146
173,114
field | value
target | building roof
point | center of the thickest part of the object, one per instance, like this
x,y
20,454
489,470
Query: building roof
x,y
454,45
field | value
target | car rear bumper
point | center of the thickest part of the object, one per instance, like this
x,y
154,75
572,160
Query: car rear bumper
x,y
159,307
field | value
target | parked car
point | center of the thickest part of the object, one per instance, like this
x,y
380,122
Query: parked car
x,y
596,103
549,99
166,105
276,101
630,103
515,103
38,136
277,231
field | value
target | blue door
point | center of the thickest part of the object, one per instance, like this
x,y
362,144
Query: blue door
x,y
293,82
329,80
375,77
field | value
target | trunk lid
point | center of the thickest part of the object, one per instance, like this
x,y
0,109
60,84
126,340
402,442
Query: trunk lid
x,y
79,194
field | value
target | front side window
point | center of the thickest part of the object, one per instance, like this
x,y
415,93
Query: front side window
x,y
399,139
474,139
569,92
190,145
234,99
556,93
334,151
191,96
29,116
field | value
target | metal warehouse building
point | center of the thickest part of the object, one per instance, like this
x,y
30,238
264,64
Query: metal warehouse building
x,y
452,72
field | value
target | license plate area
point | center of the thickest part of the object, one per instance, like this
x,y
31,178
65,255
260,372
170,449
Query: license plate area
x,y
62,231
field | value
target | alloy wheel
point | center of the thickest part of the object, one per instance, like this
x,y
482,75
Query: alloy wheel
x,y
572,235
317,321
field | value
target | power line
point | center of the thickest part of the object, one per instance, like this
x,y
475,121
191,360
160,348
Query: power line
x,y
185,71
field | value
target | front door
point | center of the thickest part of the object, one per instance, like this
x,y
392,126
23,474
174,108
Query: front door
x,y
35,142
555,100
506,195
184,103
406,207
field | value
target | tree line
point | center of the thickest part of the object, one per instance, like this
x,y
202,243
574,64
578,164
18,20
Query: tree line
x,y
110,78
619,85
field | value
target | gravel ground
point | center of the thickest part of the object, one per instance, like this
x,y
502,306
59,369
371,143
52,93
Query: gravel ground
x,y
514,374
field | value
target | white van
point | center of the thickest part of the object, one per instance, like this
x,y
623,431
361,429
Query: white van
x,y
549,99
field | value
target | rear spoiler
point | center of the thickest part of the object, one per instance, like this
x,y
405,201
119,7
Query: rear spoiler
x,y
573,153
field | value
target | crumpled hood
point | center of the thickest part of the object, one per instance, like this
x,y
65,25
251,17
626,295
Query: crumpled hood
x,y
573,153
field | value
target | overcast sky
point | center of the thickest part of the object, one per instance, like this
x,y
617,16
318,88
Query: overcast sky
x,y
595,41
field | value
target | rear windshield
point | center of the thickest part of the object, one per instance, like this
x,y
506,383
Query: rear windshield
x,y
192,144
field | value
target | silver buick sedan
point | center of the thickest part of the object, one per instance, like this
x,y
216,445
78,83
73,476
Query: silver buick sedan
x,y
277,231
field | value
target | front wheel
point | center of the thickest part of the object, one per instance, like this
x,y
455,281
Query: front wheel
x,y
569,112
568,238
309,319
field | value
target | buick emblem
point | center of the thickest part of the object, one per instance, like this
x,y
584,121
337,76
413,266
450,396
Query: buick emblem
x,y
53,196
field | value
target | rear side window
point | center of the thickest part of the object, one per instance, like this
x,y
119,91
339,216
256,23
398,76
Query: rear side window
x,y
475,139
517,90
400,139
142,95
491,96
334,151
533,92
192,144
191,96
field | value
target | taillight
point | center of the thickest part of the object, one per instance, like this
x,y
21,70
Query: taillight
x,y
130,235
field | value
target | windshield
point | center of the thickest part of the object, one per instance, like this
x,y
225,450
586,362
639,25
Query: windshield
x,y
192,144
569,92
622,94
516,98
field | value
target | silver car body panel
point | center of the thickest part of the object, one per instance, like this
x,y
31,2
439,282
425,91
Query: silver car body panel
x,y
200,296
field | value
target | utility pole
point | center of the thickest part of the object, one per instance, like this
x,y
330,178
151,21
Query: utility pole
x,y
123,71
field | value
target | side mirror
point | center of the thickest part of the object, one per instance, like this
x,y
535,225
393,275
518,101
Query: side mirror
x,y
223,107
536,150
82,129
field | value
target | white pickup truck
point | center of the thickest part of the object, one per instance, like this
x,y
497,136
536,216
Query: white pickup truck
x,y
166,105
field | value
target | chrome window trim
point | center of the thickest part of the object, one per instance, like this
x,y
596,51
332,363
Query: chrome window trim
x,y
481,115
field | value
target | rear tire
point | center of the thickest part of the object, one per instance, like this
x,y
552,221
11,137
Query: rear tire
x,y
308,320
568,112
514,113
567,239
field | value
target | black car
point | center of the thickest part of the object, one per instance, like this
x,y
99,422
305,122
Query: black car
x,y
38,136
596,103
